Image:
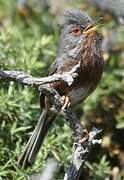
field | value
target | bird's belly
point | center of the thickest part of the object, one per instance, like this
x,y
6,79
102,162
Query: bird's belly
x,y
79,94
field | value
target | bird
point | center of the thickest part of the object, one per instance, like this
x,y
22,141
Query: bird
x,y
80,42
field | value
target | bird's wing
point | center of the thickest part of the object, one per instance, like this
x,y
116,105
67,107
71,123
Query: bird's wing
x,y
56,66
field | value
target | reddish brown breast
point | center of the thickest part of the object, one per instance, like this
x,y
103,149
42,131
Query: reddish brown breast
x,y
90,73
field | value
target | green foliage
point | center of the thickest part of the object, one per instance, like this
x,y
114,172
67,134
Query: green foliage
x,y
99,170
29,44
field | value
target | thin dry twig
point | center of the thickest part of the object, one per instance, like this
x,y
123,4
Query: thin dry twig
x,y
83,141
29,80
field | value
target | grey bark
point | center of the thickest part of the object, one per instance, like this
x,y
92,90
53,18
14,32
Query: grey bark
x,y
82,140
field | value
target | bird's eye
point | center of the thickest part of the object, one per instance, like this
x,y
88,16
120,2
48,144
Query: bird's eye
x,y
76,31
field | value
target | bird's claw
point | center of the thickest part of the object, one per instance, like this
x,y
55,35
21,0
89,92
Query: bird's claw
x,y
66,102
86,137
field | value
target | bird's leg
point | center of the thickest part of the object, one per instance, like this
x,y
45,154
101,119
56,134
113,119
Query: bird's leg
x,y
85,136
66,102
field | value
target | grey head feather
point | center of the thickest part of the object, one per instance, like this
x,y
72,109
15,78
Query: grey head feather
x,y
76,16
69,43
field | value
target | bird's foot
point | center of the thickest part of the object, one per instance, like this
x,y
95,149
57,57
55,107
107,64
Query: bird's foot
x,y
66,102
86,136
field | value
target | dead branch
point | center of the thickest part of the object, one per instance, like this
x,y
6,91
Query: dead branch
x,y
83,141
27,79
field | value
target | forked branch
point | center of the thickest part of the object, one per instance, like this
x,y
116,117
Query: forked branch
x,y
83,141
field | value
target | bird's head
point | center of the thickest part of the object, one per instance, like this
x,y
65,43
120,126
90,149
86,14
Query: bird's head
x,y
78,28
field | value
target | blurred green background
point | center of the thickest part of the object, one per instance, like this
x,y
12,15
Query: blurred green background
x,y
29,35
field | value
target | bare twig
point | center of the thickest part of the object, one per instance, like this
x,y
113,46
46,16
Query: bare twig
x,y
27,79
80,155
83,141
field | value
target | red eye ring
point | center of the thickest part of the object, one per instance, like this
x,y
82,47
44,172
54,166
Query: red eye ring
x,y
76,31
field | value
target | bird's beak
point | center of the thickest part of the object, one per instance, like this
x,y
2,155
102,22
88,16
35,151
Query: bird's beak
x,y
89,29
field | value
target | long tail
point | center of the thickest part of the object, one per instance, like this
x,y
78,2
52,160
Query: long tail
x,y
30,153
